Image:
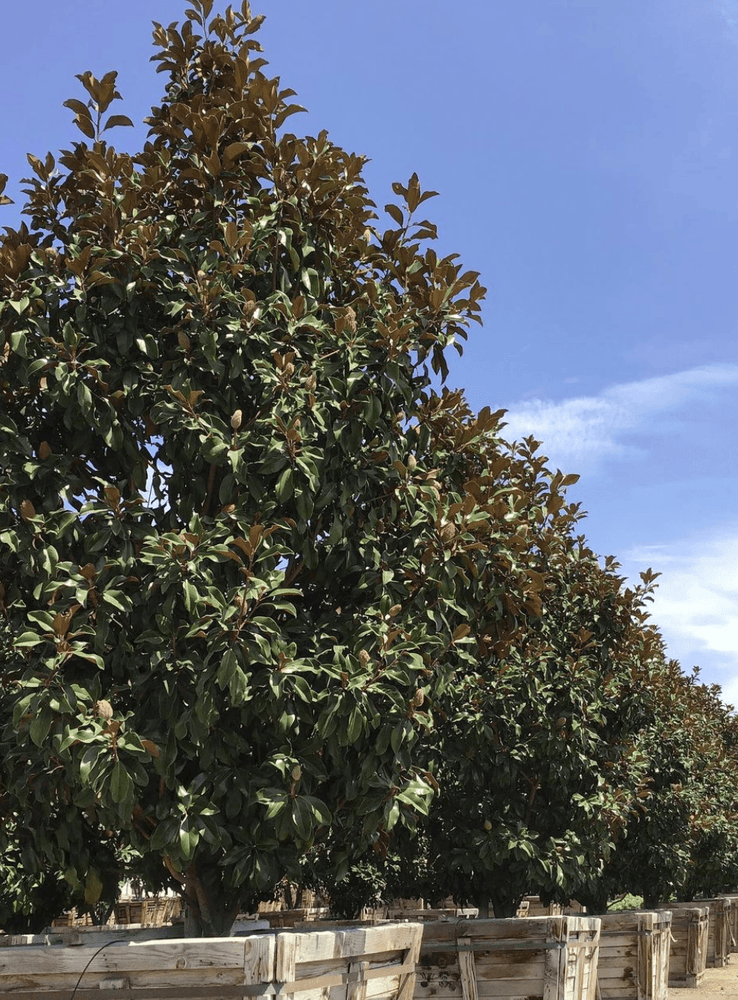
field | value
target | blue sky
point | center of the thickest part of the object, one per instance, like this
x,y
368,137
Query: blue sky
x,y
585,154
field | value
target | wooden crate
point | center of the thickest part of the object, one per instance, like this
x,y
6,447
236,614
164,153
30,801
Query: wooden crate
x,y
148,911
634,955
447,913
535,907
368,963
539,958
688,956
291,918
719,928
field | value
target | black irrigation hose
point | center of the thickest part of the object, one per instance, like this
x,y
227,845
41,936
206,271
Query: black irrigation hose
x,y
102,946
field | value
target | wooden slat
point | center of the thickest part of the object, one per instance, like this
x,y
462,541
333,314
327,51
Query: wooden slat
x,y
357,990
259,959
467,969
194,953
554,961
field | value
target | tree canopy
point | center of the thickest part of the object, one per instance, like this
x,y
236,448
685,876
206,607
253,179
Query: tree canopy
x,y
214,529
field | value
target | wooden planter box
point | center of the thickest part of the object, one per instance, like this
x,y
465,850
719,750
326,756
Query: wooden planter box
x,y
291,918
719,936
634,955
539,958
154,911
365,963
531,906
689,933
719,930
447,913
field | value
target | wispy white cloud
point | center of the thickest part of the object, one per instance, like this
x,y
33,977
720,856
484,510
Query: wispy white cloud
x,y
696,602
729,12
583,431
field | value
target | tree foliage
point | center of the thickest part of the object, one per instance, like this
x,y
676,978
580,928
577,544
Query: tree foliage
x,y
681,841
535,745
215,536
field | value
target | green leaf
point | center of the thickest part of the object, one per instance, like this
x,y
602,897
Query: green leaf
x,y
121,786
117,598
227,669
27,639
283,490
40,725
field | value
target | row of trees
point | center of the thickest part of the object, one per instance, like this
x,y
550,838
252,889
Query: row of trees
x,y
275,602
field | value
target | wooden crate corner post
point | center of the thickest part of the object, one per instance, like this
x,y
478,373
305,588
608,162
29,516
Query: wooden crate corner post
x,y
555,965
723,932
409,967
467,968
259,954
696,957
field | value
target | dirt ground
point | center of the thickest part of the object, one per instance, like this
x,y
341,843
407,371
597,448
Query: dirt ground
x,y
721,982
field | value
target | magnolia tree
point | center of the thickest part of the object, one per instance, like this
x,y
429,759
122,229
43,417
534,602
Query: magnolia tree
x,y
535,743
219,518
534,749
682,841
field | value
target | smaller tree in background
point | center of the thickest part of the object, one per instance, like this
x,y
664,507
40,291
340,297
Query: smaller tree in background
x,y
30,900
681,840
534,744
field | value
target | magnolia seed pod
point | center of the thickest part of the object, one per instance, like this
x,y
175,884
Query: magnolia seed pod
x,y
363,657
296,772
103,710
487,825
418,698
236,419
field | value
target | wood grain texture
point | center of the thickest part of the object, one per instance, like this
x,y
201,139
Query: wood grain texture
x,y
688,956
634,955
529,956
719,936
374,963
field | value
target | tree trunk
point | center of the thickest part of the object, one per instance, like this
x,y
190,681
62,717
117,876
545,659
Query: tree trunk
x,y
505,906
501,904
209,909
593,901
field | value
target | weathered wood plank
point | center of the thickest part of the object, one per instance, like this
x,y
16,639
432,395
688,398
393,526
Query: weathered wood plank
x,y
196,953
259,958
467,969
